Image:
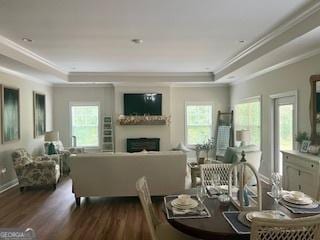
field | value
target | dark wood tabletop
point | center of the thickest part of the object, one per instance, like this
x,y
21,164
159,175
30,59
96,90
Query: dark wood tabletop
x,y
216,227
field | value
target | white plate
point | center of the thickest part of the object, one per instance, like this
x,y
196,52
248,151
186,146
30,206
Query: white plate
x,y
191,204
265,214
303,201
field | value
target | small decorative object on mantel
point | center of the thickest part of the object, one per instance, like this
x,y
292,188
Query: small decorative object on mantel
x,y
144,120
242,200
305,146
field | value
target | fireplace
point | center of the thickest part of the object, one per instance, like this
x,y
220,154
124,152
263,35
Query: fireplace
x,y
140,144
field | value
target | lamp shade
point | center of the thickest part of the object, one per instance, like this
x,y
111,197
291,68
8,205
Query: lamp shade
x,y
243,135
51,136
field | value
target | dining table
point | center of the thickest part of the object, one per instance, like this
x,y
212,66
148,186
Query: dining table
x,y
216,227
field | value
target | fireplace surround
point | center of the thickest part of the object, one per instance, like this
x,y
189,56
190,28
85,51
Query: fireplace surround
x,y
140,144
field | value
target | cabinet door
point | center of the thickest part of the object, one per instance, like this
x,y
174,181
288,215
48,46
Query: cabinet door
x,y
292,179
308,185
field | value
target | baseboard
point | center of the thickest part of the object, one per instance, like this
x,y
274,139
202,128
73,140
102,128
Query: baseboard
x,y
9,185
264,178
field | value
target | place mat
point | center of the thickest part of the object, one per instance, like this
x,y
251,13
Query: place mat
x,y
300,209
233,220
201,211
213,192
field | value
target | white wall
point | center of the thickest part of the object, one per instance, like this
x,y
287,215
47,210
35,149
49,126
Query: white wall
x,y
63,96
219,96
289,78
123,132
111,102
34,146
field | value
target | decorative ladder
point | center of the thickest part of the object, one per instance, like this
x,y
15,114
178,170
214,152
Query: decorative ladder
x,y
224,133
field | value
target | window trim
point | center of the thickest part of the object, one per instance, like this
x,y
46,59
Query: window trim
x,y
89,103
252,99
199,103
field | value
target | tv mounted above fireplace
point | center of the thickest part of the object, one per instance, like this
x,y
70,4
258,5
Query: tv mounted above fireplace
x,y
140,104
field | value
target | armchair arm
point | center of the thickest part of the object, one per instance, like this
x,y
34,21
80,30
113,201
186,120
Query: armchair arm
x,y
38,173
75,150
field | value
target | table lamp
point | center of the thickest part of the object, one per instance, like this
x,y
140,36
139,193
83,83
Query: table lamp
x,y
243,136
51,137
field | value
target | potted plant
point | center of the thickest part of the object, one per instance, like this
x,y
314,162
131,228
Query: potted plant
x,y
208,146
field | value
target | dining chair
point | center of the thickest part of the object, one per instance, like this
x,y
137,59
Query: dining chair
x,y
207,171
307,228
158,229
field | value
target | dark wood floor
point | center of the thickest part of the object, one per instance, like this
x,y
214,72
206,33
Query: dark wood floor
x,y
53,214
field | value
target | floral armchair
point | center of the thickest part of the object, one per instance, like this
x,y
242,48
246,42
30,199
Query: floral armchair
x,y
37,171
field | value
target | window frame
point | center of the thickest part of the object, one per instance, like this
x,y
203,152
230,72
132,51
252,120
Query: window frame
x,y
249,100
197,103
75,104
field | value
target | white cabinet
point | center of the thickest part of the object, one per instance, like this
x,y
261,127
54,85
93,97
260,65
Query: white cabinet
x,y
301,172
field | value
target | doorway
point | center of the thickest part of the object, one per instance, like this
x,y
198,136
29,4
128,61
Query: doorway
x,y
284,127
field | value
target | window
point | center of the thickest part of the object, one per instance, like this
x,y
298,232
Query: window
x,y
85,124
248,117
198,123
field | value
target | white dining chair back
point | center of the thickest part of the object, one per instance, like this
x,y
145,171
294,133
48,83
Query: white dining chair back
x,y
207,171
307,228
145,199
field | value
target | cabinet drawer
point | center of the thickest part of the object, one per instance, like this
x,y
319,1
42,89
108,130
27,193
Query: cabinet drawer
x,y
300,162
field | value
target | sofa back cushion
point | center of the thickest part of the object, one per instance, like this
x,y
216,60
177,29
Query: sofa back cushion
x,y
101,174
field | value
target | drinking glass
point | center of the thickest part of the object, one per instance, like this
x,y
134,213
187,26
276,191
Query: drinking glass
x,y
276,179
276,194
201,193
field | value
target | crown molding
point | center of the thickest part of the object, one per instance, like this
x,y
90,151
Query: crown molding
x,y
23,76
278,66
141,77
80,85
283,28
143,74
15,51
195,85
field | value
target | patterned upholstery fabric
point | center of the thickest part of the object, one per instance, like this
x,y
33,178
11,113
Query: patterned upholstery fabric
x,y
38,171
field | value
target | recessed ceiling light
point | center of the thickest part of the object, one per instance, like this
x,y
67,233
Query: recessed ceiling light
x,y
26,39
137,41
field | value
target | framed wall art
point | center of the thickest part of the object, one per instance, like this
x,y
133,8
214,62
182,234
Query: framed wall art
x,y
10,114
39,114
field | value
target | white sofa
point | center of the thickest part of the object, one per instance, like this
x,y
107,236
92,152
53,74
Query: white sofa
x,y
115,174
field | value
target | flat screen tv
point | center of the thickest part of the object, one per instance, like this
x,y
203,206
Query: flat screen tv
x,y
142,104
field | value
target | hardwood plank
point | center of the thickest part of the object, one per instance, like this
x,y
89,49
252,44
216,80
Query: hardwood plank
x,y
53,214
